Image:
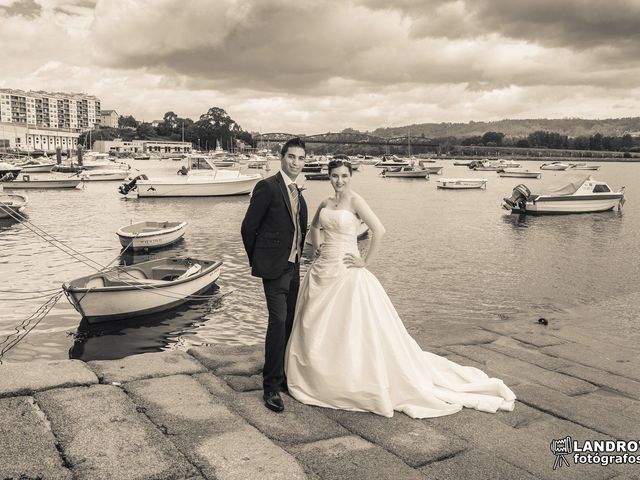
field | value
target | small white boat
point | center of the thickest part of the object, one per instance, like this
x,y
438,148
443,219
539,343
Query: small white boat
x,y
461,183
147,235
519,173
492,165
432,169
392,161
462,163
583,166
554,166
149,287
11,204
142,157
6,168
101,174
256,162
37,165
48,182
201,178
581,194
405,172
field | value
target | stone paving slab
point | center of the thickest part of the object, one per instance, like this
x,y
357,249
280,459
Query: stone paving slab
x,y
352,458
35,454
414,441
27,378
611,361
457,334
606,380
509,380
231,360
219,442
526,447
504,364
589,410
146,365
244,384
475,464
103,436
533,355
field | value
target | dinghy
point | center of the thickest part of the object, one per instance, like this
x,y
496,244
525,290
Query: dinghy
x,y
129,291
147,235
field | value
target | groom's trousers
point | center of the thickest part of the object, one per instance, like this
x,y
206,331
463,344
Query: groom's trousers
x,y
281,294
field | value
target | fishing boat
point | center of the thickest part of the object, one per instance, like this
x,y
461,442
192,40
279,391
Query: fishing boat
x,y
554,166
149,287
148,235
11,204
405,172
24,182
199,178
580,194
519,173
583,166
461,183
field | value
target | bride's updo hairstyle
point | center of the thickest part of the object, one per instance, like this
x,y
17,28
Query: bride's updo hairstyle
x,y
333,164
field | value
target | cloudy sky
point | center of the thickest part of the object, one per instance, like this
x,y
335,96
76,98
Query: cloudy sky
x,y
313,66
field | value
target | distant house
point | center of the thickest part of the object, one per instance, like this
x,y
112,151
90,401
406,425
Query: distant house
x,y
155,123
109,118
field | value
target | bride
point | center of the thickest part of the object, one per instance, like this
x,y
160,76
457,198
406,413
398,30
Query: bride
x,y
349,348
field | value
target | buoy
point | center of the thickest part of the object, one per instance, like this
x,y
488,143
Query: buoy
x,y
543,321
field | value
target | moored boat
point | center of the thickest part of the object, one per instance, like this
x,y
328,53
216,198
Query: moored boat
x,y
201,178
580,194
461,183
554,166
405,172
392,161
9,168
583,166
24,182
148,235
11,204
129,291
519,173
101,174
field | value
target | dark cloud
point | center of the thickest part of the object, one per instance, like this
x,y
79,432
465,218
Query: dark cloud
x,y
24,8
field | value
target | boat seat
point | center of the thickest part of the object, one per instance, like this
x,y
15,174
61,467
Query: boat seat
x,y
95,282
192,270
135,273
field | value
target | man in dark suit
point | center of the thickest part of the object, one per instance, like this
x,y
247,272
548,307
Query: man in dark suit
x,y
273,232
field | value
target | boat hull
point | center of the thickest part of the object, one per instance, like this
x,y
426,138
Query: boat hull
x,y
148,241
421,174
158,188
462,184
98,176
572,205
34,183
116,303
520,174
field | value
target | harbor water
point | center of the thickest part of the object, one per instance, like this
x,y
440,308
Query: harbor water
x,y
449,257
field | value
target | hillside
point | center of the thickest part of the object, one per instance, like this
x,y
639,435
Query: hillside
x,y
572,127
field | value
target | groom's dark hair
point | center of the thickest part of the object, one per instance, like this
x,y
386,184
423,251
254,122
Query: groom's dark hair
x,y
293,142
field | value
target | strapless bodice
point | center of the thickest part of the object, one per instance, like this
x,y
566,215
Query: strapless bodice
x,y
340,234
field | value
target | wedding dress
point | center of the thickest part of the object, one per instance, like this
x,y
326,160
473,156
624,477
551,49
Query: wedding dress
x,y
350,350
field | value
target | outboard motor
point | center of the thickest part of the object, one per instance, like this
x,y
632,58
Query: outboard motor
x,y
128,186
473,164
518,199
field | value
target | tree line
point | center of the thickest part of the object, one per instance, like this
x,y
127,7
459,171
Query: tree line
x,y
216,125
553,140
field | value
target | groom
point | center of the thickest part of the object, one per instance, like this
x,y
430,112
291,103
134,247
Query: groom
x,y
273,232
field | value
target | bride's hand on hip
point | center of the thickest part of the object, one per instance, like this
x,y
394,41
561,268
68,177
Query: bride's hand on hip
x,y
351,261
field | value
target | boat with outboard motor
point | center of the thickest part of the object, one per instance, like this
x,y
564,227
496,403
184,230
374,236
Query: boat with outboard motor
x,y
580,194
199,178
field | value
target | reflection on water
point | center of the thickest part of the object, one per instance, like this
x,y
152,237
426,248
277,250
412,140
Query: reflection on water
x,y
148,333
447,257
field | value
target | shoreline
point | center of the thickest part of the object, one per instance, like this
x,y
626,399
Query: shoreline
x,y
199,414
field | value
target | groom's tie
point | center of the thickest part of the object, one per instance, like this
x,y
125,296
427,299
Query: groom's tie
x,y
295,208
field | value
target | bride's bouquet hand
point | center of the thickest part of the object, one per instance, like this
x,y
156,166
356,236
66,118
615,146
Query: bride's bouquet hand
x,y
351,261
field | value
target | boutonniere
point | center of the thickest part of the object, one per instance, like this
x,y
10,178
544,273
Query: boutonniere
x,y
301,188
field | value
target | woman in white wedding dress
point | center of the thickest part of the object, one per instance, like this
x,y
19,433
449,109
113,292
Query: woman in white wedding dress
x,y
349,348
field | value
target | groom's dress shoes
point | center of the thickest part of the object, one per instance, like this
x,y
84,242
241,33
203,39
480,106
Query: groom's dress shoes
x,y
273,401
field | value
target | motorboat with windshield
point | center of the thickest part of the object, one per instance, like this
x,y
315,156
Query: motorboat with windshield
x,y
579,194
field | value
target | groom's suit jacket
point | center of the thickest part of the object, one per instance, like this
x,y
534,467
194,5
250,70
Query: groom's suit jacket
x,y
268,228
